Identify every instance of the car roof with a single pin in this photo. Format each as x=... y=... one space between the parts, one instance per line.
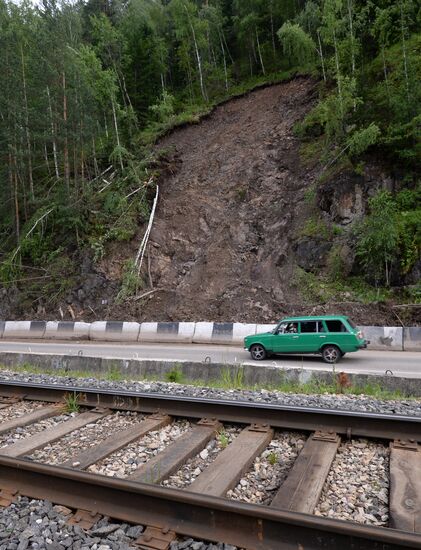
x=315 y=318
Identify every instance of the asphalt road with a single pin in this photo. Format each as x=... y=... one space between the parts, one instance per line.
x=406 y=364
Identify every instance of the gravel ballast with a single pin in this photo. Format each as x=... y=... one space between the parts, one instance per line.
x=90 y=435
x=356 y=488
x=357 y=403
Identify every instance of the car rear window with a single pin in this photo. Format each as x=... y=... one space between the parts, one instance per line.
x=336 y=326
x=353 y=325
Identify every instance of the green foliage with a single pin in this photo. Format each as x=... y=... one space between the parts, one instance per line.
x=390 y=233
x=320 y=289
x=71 y=403
x=315 y=227
x=131 y=282
x=335 y=263
x=298 y=46
x=175 y=375
x=273 y=458
x=223 y=439
x=164 y=109
x=362 y=139
x=114 y=375
x=232 y=379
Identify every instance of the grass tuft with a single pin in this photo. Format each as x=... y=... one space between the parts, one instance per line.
x=71 y=404
x=175 y=375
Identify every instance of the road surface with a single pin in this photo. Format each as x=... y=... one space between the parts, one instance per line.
x=398 y=363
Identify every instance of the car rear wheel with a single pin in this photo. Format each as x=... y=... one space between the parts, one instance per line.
x=258 y=352
x=331 y=354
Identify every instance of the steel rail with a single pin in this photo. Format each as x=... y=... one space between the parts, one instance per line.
x=210 y=518
x=348 y=423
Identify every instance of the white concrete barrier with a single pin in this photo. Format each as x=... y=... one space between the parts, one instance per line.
x=67 y=330
x=412 y=339
x=203 y=333
x=384 y=338
x=24 y=329
x=240 y=331
x=214 y=333
x=114 y=331
x=166 y=332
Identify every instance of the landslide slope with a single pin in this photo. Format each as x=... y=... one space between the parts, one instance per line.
x=232 y=201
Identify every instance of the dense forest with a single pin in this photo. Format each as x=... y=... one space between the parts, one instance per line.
x=88 y=87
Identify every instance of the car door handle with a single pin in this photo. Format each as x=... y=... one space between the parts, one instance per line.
x=294 y=337
x=322 y=336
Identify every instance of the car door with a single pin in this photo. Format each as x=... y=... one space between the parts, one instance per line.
x=340 y=335
x=310 y=337
x=285 y=339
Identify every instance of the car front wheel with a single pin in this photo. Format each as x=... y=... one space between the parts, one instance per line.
x=258 y=352
x=331 y=354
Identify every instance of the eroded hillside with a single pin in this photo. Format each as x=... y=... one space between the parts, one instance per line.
x=230 y=236
x=222 y=237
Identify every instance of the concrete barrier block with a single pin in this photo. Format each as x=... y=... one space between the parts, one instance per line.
x=114 y=331
x=148 y=332
x=203 y=333
x=24 y=329
x=222 y=333
x=97 y=330
x=383 y=338
x=185 y=332
x=240 y=331
x=67 y=330
x=166 y=332
x=412 y=338
x=2 y=324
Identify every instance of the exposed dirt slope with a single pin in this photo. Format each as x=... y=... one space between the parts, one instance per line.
x=231 y=209
x=227 y=236
x=221 y=241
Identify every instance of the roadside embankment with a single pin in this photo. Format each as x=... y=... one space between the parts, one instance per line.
x=244 y=375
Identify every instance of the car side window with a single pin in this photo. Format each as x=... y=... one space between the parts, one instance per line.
x=291 y=328
x=336 y=326
x=309 y=326
x=321 y=327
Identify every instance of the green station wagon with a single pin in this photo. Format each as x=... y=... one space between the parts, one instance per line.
x=330 y=335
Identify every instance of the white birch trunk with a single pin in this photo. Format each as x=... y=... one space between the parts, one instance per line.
x=224 y=60
x=320 y=52
x=260 y=53
x=53 y=135
x=117 y=134
x=199 y=64
x=28 y=136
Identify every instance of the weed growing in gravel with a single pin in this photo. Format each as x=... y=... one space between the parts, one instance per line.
x=71 y=404
x=231 y=379
x=174 y=375
x=222 y=439
x=114 y=375
x=272 y=458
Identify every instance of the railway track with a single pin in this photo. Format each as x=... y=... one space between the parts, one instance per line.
x=174 y=465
